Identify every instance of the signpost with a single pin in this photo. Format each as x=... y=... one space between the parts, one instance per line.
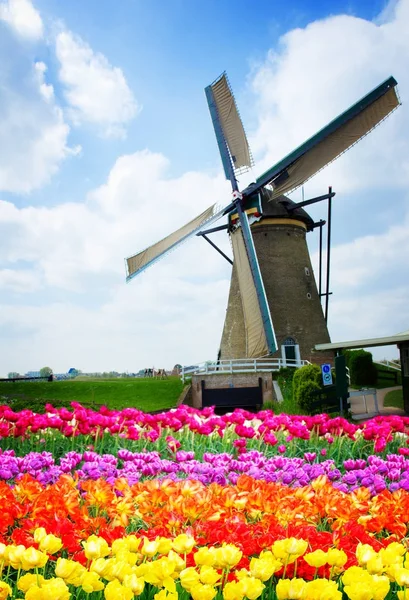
x=326 y=374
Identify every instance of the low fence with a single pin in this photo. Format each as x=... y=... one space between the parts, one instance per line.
x=13 y=379
x=244 y=365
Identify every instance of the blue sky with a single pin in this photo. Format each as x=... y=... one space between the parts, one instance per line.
x=106 y=145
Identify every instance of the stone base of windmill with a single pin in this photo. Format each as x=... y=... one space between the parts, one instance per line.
x=232 y=390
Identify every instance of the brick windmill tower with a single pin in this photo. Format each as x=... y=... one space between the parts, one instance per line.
x=292 y=294
x=274 y=306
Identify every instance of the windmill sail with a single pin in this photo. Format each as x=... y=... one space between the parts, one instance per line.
x=231 y=137
x=236 y=157
x=259 y=333
x=332 y=141
x=138 y=262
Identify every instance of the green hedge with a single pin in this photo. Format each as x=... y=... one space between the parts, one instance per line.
x=361 y=368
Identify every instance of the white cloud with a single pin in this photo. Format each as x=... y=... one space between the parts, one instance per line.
x=71 y=242
x=97 y=92
x=19 y=280
x=23 y=18
x=33 y=132
x=80 y=248
x=319 y=71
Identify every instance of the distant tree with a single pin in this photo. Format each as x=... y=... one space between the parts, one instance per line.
x=13 y=375
x=46 y=372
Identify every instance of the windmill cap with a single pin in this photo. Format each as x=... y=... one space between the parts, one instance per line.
x=283 y=208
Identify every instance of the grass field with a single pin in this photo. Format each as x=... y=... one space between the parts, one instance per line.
x=146 y=394
x=394 y=398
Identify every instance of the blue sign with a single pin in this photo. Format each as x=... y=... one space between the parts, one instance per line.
x=326 y=374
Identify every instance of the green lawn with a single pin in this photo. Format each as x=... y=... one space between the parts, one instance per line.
x=146 y=394
x=394 y=398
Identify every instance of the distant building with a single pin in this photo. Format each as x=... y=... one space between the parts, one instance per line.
x=32 y=374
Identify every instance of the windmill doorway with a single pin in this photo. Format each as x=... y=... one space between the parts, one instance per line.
x=290 y=352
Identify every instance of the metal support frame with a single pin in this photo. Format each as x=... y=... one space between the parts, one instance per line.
x=320 y=224
x=312 y=201
x=213 y=229
x=328 y=252
x=216 y=248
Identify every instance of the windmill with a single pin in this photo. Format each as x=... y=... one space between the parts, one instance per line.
x=274 y=304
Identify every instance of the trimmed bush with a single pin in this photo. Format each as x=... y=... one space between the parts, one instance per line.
x=361 y=368
x=309 y=373
x=307 y=394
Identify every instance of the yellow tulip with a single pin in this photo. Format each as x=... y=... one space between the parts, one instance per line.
x=164 y=595
x=203 y=592
x=5 y=590
x=180 y=563
x=12 y=556
x=392 y=554
x=363 y=591
x=209 y=575
x=126 y=556
x=189 y=577
x=116 y=591
x=150 y=548
x=289 y=549
x=119 y=545
x=29 y=580
x=51 y=589
x=264 y=568
x=160 y=573
x=39 y=534
x=322 y=589
x=95 y=547
x=205 y=556
x=364 y=553
x=117 y=569
x=136 y=584
x=290 y=588
x=32 y=558
x=133 y=541
x=50 y=543
x=90 y=582
x=232 y=591
x=69 y=570
x=183 y=544
x=228 y=556
x=401 y=576
x=99 y=565
x=241 y=573
x=353 y=575
x=165 y=545
x=375 y=565
x=316 y=559
x=381 y=587
x=251 y=587
x=336 y=558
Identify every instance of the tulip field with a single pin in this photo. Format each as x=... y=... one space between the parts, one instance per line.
x=187 y=504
